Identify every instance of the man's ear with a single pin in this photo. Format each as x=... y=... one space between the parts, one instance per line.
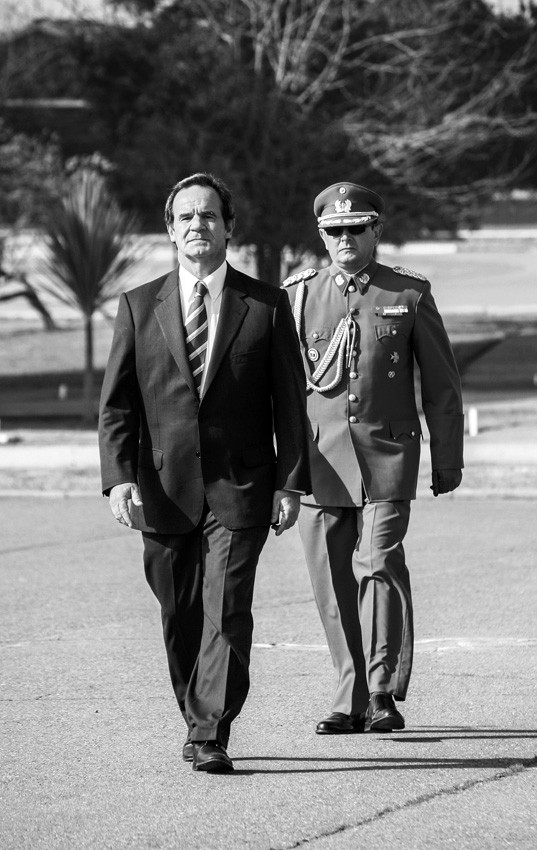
x=230 y=227
x=322 y=234
x=378 y=228
x=171 y=234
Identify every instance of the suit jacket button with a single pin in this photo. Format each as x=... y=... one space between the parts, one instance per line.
x=353 y=419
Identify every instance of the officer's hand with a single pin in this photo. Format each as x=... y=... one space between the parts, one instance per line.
x=445 y=480
x=119 y=501
x=285 y=508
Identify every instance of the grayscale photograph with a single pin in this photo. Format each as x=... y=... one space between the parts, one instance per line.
x=268 y=424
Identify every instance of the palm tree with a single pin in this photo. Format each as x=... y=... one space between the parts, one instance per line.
x=90 y=245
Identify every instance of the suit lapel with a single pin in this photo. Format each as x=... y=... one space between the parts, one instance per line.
x=170 y=318
x=232 y=313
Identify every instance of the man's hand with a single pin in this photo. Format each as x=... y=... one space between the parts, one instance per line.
x=285 y=508
x=119 y=501
x=445 y=480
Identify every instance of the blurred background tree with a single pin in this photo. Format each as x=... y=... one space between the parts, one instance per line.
x=31 y=179
x=90 y=247
x=433 y=102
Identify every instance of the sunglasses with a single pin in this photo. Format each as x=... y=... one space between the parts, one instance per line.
x=353 y=229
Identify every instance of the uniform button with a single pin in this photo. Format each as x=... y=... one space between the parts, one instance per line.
x=353 y=419
x=355 y=311
x=352 y=289
x=353 y=375
x=315 y=335
x=354 y=352
x=394 y=332
x=352 y=397
x=198 y=454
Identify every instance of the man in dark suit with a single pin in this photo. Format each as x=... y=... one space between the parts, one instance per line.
x=204 y=376
x=362 y=325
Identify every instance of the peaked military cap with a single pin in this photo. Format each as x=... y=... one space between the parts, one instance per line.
x=347 y=203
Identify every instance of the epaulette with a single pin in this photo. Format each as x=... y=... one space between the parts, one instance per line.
x=408 y=273
x=296 y=278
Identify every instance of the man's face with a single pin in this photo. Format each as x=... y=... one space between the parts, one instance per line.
x=351 y=251
x=198 y=229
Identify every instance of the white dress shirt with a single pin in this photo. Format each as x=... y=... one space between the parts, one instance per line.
x=213 y=299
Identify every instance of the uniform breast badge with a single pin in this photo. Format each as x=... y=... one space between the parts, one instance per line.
x=391 y=374
x=394 y=357
x=313 y=354
x=397 y=310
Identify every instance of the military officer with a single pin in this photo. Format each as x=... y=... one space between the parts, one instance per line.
x=361 y=325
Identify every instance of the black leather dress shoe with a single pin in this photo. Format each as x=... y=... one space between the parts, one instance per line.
x=382 y=715
x=341 y=724
x=211 y=757
x=188 y=750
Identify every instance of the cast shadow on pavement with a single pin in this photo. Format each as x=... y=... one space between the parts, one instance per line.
x=459 y=733
x=367 y=764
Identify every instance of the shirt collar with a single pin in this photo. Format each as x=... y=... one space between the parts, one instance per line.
x=361 y=278
x=214 y=281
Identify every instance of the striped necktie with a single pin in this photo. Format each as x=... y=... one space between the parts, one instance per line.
x=196 y=333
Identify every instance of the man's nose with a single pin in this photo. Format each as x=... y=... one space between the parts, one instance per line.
x=197 y=222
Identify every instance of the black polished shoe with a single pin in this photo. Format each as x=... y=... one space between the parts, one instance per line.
x=188 y=750
x=211 y=757
x=341 y=724
x=382 y=715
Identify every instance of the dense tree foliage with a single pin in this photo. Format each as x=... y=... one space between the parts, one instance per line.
x=31 y=174
x=433 y=102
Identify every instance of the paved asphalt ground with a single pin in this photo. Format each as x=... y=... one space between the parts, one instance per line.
x=90 y=736
x=90 y=751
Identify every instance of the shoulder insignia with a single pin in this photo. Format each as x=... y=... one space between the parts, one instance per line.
x=296 y=278
x=408 y=273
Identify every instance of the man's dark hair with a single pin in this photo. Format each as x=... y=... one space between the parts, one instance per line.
x=202 y=179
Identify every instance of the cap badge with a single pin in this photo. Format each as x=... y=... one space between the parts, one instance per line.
x=313 y=354
x=343 y=206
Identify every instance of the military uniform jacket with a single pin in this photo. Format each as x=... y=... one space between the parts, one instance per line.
x=365 y=432
x=243 y=440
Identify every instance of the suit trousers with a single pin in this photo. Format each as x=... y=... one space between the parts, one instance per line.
x=204 y=582
x=361 y=585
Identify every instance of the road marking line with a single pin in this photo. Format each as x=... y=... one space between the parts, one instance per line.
x=445 y=644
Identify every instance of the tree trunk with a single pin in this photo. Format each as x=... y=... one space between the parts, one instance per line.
x=31 y=295
x=88 y=417
x=37 y=304
x=268 y=263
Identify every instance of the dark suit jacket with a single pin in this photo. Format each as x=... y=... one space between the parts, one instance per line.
x=367 y=429
x=154 y=430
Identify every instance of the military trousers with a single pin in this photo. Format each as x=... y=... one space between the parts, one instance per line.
x=204 y=582
x=361 y=584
